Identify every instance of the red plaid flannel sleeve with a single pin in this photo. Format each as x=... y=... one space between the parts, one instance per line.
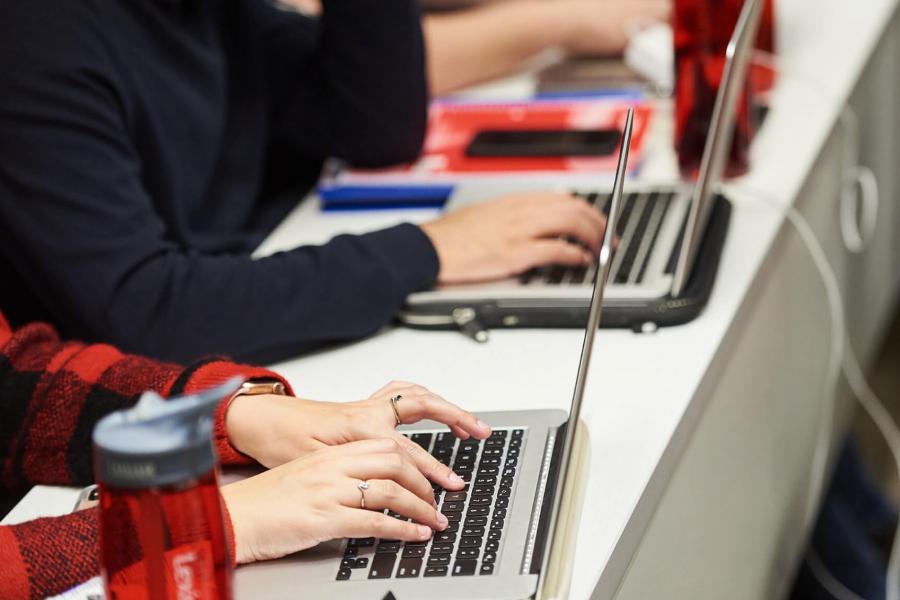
x=52 y=393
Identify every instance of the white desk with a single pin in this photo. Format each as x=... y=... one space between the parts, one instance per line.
x=701 y=435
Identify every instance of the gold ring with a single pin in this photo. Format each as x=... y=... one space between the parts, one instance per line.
x=394 y=401
x=362 y=486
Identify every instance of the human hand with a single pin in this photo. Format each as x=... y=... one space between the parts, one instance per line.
x=603 y=27
x=277 y=429
x=508 y=236
x=316 y=498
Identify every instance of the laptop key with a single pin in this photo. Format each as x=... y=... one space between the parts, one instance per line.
x=465 y=567
x=504 y=492
x=502 y=502
x=413 y=552
x=499 y=513
x=457 y=496
x=509 y=472
x=453 y=516
x=382 y=566
x=498 y=451
x=473 y=530
x=485 y=480
x=452 y=527
x=487 y=569
x=468 y=553
x=409 y=567
x=361 y=542
x=498 y=433
x=444 y=538
x=351 y=552
x=441 y=549
x=485 y=470
x=518 y=433
x=489 y=558
x=361 y=563
x=422 y=439
x=439 y=560
x=491 y=546
x=344 y=574
x=495 y=524
x=470 y=542
x=444 y=439
x=480 y=501
x=388 y=548
x=495 y=535
x=435 y=571
x=474 y=522
x=451 y=507
x=482 y=490
x=348 y=563
x=478 y=511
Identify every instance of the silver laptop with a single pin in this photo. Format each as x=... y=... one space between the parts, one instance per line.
x=501 y=526
x=671 y=240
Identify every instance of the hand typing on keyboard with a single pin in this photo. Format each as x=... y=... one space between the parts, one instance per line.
x=476 y=515
x=277 y=429
x=507 y=236
x=317 y=498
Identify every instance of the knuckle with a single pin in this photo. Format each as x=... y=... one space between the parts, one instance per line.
x=394 y=462
x=385 y=445
x=375 y=523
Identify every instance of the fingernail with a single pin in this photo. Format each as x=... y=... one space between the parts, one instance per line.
x=424 y=532
x=456 y=478
x=442 y=520
x=482 y=424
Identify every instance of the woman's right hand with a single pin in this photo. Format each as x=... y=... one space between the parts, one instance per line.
x=315 y=498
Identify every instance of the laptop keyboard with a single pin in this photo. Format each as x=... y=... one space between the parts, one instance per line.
x=638 y=229
x=477 y=515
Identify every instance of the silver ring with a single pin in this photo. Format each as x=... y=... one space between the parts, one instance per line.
x=394 y=401
x=362 y=486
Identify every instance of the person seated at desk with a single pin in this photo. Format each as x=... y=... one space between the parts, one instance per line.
x=147 y=148
x=52 y=393
x=492 y=38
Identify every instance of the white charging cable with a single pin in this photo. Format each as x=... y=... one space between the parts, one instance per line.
x=853 y=372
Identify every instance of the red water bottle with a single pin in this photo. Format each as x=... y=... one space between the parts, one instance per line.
x=702 y=30
x=162 y=527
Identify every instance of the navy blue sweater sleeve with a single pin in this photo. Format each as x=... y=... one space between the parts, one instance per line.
x=79 y=225
x=368 y=76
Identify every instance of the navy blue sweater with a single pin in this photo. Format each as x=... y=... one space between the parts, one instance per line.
x=148 y=146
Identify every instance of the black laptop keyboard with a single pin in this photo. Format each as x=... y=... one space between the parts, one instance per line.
x=477 y=515
x=638 y=229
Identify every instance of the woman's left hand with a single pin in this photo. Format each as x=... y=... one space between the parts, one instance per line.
x=274 y=430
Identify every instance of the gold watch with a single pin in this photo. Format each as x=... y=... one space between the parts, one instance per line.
x=258 y=387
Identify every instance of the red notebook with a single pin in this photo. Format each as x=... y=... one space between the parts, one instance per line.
x=452 y=127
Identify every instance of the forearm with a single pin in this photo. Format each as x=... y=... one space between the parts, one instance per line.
x=46 y=557
x=181 y=306
x=55 y=392
x=472 y=46
x=363 y=96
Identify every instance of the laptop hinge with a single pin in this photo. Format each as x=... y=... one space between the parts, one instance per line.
x=543 y=501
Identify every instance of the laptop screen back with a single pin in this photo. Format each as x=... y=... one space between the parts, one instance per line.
x=603 y=265
x=718 y=141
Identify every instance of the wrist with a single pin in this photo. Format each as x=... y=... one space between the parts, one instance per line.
x=235 y=521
